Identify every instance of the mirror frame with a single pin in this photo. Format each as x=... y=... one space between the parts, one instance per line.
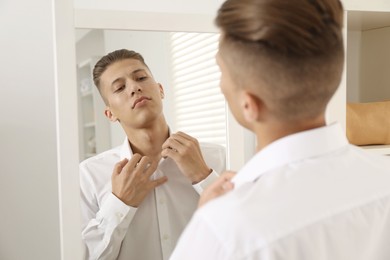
x=143 y=21
x=67 y=126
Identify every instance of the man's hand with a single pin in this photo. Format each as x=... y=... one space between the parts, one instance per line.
x=131 y=179
x=185 y=151
x=221 y=186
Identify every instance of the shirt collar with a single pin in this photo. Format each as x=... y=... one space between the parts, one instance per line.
x=292 y=148
x=126 y=151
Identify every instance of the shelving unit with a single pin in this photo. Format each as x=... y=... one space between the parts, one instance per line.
x=94 y=132
x=368 y=57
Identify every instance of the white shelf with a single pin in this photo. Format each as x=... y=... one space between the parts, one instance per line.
x=378 y=149
x=93 y=125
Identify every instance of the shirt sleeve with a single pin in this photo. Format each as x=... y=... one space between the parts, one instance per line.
x=215 y=157
x=104 y=227
x=202 y=185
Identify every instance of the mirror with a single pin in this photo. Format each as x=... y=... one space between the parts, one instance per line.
x=184 y=63
x=237 y=141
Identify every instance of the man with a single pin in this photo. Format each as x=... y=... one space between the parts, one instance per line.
x=307 y=193
x=137 y=198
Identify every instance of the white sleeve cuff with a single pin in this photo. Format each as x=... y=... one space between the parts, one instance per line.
x=114 y=211
x=202 y=185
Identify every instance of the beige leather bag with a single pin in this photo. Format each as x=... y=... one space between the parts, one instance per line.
x=368 y=123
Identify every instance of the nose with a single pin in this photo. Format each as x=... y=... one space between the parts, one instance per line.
x=134 y=91
x=134 y=88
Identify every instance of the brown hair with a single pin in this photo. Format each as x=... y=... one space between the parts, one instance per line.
x=111 y=58
x=295 y=47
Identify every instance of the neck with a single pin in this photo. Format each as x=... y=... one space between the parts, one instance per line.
x=148 y=141
x=270 y=132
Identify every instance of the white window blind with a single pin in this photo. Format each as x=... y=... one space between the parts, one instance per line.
x=199 y=103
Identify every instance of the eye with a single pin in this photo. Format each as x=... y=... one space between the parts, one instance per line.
x=142 y=78
x=119 y=88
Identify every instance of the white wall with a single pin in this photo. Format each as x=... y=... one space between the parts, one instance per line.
x=353 y=69
x=167 y=6
x=90 y=45
x=29 y=219
x=375 y=65
x=368 y=5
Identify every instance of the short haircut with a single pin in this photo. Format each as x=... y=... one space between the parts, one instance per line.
x=111 y=58
x=289 y=51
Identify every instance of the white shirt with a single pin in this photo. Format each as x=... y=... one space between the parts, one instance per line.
x=113 y=230
x=310 y=195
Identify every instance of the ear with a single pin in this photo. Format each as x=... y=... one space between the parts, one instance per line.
x=162 y=94
x=110 y=115
x=252 y=107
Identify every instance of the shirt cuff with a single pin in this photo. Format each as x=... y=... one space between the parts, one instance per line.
x=115 y=211
x=202 y=185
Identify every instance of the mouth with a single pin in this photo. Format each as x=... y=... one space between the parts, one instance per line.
x=140 y=101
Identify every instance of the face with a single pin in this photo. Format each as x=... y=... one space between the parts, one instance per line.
x=132 y=95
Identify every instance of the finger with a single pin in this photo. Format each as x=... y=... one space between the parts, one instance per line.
x=151 y=168
x=132 y=162
x=224 y=181
x=186 y=136
x=143 y=163
x=182 y=145
x=169 y=152
x=215 y=190
x=227 y=186
x=224 y=177
x=171 y=143
x=187 y=142
x=228 y=175
x=119 y=166
x=182 y=139
x=221 y=187
x=143 y=166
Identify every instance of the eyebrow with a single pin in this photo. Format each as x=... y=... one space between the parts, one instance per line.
x=133 y=72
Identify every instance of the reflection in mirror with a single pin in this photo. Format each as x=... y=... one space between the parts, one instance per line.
x=184 y=63
x=163 y=202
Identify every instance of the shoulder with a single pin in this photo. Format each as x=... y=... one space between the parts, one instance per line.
x=228 y=221
x=106 y=158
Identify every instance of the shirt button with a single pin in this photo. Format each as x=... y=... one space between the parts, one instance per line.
x=165 y=237
x=162 y=201
x=119 y=215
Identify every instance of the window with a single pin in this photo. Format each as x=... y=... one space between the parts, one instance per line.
x=200 y=108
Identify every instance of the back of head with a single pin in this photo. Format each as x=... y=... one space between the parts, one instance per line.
x=288 y=52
